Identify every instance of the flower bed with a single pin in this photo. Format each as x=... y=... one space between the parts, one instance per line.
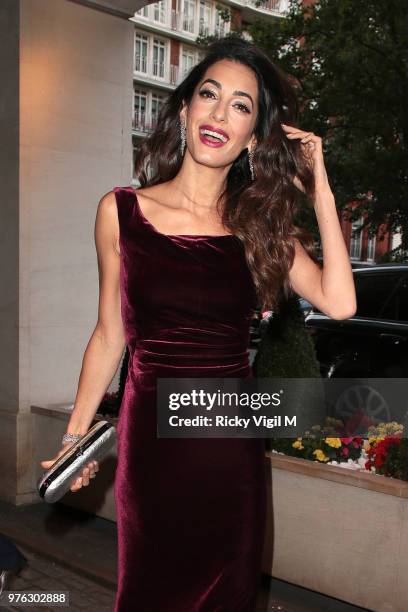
x=384 y=451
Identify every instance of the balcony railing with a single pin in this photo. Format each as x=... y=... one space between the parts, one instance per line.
x=141 y=63
x=158 y=69
x=176 y=74
x=184 y=23
x=144 y=122
x=274 y=6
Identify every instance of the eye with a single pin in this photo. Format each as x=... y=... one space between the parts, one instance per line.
x=243 y=107
x=246 y=109
x=205 y=91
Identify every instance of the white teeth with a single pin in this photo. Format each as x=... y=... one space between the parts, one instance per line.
x=215 y=134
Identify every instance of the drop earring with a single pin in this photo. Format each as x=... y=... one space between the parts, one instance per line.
x=182 y=136
x=251 y=165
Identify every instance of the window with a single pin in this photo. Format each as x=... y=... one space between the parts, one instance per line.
x=371 y=249
x=375 y=295
x=140 y=106
x=355 y=239
x=205 y=18
x=159 y=11
x=150 y=56
x=402 y=299
x=141 y=52
x=188 y=15
x=188 y=60
x=159 y=53
x=157 y=102
x=221 y=26
x=147 y=106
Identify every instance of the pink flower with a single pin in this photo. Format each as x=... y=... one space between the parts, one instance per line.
x=346 y=440
x=345 y=451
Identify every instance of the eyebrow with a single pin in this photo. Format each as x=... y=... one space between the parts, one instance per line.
x=234 y=93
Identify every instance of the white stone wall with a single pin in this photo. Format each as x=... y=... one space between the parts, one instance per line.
x=76 y=99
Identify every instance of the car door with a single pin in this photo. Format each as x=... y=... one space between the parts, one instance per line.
x=393 y=335
x=374 y=331
x=355 y=347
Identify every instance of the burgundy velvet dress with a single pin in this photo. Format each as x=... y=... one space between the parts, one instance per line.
x=190 y=512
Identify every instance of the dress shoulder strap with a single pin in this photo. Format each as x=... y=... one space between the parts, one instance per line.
x=125 y=205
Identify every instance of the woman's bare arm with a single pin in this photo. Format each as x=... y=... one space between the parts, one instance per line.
x=332 y=289
x=107 y=342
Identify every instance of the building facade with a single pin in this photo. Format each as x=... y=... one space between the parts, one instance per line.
x=366 y=250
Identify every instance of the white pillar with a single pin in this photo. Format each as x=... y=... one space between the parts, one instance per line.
x=73 y=110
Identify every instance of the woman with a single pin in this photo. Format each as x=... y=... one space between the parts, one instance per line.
x=184 y=261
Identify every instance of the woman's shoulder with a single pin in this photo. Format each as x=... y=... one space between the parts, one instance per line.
x=107 y=202
x=111 y=199
x=155 y=200
x=111 y=208
x=157 y=193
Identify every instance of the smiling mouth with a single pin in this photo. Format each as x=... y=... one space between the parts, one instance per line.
x=212 y=138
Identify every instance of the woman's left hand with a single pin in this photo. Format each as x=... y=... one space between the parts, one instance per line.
x=312 y=149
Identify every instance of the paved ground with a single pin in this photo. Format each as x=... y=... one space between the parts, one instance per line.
x=73 y=551
x=44 y=574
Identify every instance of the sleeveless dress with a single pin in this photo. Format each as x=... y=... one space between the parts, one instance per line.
x=190 y=512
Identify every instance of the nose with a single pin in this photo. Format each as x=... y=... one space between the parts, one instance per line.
x=218 y=113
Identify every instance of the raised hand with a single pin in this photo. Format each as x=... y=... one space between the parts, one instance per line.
x=312 y=148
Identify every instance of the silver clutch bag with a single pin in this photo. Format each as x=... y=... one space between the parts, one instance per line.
x=59 y=478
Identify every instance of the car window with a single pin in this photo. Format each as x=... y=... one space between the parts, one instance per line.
x=389 y=310
x=402 y=299
x=376 y=295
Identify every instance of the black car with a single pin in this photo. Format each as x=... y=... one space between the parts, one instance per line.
x=374 y=342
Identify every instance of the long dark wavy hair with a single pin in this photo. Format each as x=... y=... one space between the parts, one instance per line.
x=260 y=212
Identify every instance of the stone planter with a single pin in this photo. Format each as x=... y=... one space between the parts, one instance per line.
x=340 y=532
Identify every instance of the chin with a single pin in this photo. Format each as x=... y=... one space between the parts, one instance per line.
x=212 y=158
